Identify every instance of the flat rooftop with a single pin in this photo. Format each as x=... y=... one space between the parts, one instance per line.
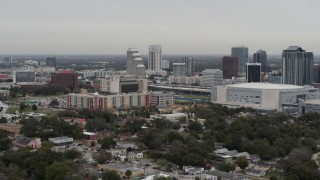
x=315 y=101
x=265 y=86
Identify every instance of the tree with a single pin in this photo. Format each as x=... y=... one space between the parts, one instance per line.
x=110 y=175
x=72 y=154
x=57 y=171
x=22 y=106
x=273 y=178
x=96 y=124
x=128 y=173
x=227 y=167
x=34 y=107
x=162 y=162
x=14 y=172
x=102 y=157
x=92 y=143
x=195 y=126
x=5 y=144
x=54 y=103
x=107 y=143
x=13 y=92
x=176 y=126
x=3 y=120
x=242 y=162
x=162 y=123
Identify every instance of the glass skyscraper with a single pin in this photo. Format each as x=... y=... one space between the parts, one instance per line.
x=261 y=57
x=242 y=54
x=189 y=65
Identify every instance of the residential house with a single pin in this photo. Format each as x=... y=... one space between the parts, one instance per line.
x=121 y=169
x=117 y=151
x=244 y=154
x=126 y=145
x=264 y=166
x=220 y=175
x=134 y=155
x=22 y=141
x=255 y=172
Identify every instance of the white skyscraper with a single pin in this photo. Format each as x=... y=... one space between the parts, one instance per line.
x=211 y=77
x=155 y=58
x=135 y=63
x=165 y=64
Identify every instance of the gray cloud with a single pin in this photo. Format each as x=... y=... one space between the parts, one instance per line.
x=180 y=26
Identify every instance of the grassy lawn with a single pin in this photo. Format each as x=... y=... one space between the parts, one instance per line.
x=13 y=110
x=276 y=174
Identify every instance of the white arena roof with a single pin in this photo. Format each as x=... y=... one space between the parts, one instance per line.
x=265 y=86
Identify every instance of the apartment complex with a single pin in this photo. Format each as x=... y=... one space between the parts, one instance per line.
x=135 y=64
x=97 y=101
x=297 y=66
x=155 y=58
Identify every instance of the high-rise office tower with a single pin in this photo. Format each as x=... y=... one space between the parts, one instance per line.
x=135 y=63
x=316 y=73
x=7 y=59
x=242 y=54
x=261 y=57
x=179 y=69
x=51 y=61
x=253 y=72
x=155 y=58
x=165 y=64
x=229 y=67
x=189 y=65
x=297 y=66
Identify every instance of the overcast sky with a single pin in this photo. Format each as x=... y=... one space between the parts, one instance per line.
x=180 y=26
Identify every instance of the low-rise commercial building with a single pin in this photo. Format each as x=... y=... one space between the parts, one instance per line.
x=188 y=80
x=309 y=106
x=65 y=79
x=211 y=77
x=61 y=141
x=117 y=84
x=24 y=76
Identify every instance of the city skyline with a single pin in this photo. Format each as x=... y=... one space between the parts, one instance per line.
x=180 y=27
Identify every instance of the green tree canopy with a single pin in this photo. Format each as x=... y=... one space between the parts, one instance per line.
x=242 y=162
x=107 y=143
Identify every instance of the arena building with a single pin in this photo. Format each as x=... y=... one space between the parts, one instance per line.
x=264 y=96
